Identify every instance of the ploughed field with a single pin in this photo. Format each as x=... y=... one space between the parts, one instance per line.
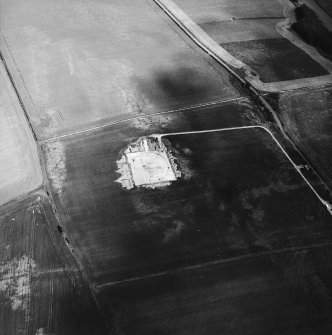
x=283 y=293
x=307 y=116
x=228 y=240
x=42 y=290
x=237 y=195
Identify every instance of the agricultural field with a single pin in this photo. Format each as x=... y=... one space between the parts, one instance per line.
x=165 y=169
x=19 y=169
x=41 y=288
x=237 y=195
x=84 y=64
x=259 y=34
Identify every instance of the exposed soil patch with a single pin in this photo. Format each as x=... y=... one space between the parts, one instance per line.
x=147 y=162
x=15 y=281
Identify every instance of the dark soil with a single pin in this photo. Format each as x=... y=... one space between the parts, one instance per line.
x=312 y=30
x=275 y=59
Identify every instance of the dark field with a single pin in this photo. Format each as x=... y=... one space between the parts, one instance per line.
x=41 y=288
x=248 y=31
x=275 y=59
x=238 y=196
x=306 y=115
x=326 y=5
x=312 y=30
x=283 y=293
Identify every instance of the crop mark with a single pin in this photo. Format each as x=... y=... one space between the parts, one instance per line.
x=15 y=281
x=214 y=263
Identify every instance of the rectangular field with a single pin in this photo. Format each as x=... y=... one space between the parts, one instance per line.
x=278 y=294
x=238 y=195
x=83 y=63
x=41 y=288
x=19 y=162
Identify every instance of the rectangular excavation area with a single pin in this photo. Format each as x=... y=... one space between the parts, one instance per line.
x=148 y=163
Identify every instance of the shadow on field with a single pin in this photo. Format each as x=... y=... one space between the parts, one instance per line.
x=178 y=86
x=181 y=83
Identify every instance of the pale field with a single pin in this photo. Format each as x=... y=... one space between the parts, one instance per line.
x=85 y=63
x=19 y=168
